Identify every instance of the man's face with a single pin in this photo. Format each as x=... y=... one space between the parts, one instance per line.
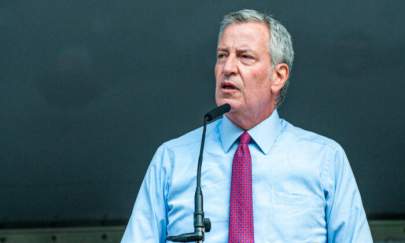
x=243 y=71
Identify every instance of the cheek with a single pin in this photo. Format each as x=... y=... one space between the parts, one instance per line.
x=257 y=79
x=217 y=69
x=263 y=74
x=259 y=85
x=257 y=76
x=218 y=72
x=266 y=76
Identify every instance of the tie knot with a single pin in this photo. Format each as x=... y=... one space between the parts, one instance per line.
x=244 y=138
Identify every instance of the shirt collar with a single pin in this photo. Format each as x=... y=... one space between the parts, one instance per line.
x=263 y=134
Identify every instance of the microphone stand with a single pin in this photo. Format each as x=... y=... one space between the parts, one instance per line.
x=201 y=224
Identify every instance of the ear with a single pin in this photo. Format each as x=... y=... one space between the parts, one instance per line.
x=280 y=75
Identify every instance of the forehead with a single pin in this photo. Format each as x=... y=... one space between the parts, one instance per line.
x=240 y=35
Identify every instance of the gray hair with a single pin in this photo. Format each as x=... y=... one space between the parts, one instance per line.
x=280 y=44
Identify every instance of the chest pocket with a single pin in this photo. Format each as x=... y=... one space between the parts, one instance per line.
x=297 y=216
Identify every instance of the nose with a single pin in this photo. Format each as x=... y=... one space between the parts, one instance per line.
x=230 y=66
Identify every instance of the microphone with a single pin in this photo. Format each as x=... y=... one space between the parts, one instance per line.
x=201 y=224
x=219 y=111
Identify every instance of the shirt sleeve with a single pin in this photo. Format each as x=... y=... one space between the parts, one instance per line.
x=345 y=216
x=148 y=219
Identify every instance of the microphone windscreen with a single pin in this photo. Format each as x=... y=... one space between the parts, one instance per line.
x=215 y=113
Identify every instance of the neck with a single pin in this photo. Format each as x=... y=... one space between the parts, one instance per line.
x=248 y=121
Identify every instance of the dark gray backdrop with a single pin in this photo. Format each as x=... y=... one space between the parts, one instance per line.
x=89 y=89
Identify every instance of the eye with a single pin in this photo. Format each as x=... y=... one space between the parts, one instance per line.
x=247 y=59
x=221 y=55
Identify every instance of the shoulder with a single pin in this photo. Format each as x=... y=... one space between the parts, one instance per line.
x=301 y=137
x=191 y=139
x=327 y=155
x=315 y=148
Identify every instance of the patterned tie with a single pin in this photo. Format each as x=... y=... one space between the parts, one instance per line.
x=241 y=206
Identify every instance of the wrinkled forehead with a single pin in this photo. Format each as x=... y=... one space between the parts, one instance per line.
x=244 y=35
x=250 y=22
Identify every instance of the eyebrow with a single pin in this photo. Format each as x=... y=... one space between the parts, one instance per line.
x=238 y=50
x=222 y=49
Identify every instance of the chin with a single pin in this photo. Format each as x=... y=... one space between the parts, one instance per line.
x=233 y=103
x=221 y=101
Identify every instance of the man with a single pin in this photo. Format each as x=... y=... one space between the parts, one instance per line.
x=264 y=180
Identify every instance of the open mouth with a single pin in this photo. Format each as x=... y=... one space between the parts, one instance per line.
x=228 y=86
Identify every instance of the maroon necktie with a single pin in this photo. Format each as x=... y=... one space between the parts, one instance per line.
x=241 y=206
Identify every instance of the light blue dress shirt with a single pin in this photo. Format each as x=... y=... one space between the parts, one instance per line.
x=303 y=187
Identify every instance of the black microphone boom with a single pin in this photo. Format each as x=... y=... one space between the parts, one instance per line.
x=201 y=224
x=215 y=113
